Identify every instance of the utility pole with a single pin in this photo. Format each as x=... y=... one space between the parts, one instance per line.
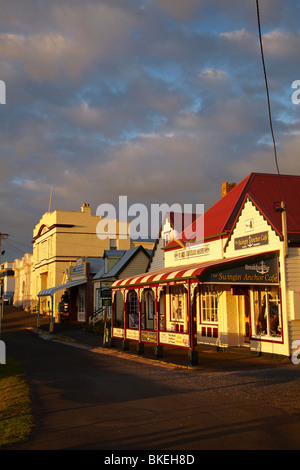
x=2 y=236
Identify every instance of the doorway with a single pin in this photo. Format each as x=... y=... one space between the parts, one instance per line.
x=243 y=313
x=246 y=319
x=81 y=305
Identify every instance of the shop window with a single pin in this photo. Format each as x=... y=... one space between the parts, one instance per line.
x=147 y=310
x=133 y=310
x=267 y=318
x=119 y=310
x=162 y=311
x=177 y=304
x=149 y=305
x=81 y=300
x=209 y=303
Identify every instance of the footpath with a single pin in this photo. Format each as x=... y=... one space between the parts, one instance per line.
x=74 y=335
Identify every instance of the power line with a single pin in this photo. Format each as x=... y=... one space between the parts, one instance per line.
x=282 y=207
x=11 y=245
x=268 y=96
x=20 y=243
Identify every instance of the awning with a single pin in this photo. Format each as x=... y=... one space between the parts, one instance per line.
x=175 y=273
x=67 y=285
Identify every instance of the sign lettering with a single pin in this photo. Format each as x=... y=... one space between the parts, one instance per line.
x=264 y=271
x=251 y=241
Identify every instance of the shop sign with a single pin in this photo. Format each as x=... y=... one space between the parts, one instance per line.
x=118 y=333
x=175 y=339
x=192 y=252
x=264 y=271
x=148 y=337
x=251 y=241
x=78 y=269
x=132 y=334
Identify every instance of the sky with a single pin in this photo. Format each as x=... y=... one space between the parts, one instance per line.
x=158 y=100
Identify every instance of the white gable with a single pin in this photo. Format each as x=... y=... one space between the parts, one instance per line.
x=252 y=233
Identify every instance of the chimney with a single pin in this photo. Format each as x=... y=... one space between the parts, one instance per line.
x=86 y=208
x=227 y=187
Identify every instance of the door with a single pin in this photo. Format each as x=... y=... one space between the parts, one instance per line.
x=81 y=304
x=243 y=313
x=246 y=319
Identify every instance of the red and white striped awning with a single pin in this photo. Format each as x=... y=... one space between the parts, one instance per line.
x=175 y=273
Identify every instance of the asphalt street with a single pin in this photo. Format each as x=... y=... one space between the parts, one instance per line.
x=86 y=398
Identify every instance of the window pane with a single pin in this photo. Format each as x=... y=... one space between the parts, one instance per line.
x=266 y=311
x=209 y=304
x=133 y=310
x=275 y=318
x=177 y=303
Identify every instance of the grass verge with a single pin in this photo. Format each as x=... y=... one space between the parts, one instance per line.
x=16 y=419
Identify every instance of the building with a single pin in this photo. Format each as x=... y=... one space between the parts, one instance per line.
x=60 y=238
x=23 y=281
x=7 y=281
x=117 y=265
x=239 y=287
x=80 y=295
x=172 y=224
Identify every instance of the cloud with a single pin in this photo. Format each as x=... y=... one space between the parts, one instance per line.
x=214 y=75
x=281 y=44
x=179 y=9
x=158 y=100
x=80 y=35
x=43 y=56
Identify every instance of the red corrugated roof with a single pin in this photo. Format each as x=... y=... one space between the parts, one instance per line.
x=264 y=190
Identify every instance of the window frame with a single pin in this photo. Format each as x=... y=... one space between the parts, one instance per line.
x=261 y=312
x=133 y=310
x=178 y=294
x=211 y=296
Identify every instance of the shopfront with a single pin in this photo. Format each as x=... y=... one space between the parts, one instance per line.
x=240 y=305
x=225 y=303
x=239 y=288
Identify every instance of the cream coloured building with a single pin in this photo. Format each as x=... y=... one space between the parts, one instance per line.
x=23 y=281
x=238 y=288
x=61 y=237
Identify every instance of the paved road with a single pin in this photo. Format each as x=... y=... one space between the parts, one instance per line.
x=85 y=400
